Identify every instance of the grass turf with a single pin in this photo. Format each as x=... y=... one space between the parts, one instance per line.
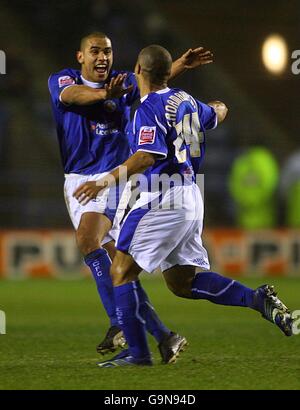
x=53 y=327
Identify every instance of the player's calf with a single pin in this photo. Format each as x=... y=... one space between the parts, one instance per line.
x=179 y=280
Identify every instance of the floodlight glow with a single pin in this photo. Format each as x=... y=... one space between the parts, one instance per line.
x=275 y=54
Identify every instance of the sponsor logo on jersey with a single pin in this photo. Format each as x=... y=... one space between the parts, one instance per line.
x=65 y=80
x=147 y=135
x=104 y=129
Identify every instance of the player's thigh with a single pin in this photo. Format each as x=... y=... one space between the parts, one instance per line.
x=75 y=209
x=189 y=251
x=150 y=236
x=179 y=279
x=124 y=269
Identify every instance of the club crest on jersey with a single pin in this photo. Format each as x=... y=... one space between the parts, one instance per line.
x=147 y=135
x=65 y=80
x=110 y=106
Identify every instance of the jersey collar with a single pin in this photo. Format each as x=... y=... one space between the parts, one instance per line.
x=163 y=91
x=91 y=83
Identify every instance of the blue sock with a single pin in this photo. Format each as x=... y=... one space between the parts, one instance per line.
x=130 y=319
x=223 y=291
x=99 y=263
x=153 y=324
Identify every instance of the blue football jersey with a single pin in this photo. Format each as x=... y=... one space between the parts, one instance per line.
x=92 y=138
x=172 y=124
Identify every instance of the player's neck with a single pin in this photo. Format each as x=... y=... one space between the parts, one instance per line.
x=148 y=88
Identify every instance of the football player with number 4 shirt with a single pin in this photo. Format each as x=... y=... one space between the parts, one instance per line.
x=164 y=227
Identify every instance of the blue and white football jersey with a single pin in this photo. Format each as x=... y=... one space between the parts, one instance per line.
x=92 y=138
x=172 y=124
x=164 y=226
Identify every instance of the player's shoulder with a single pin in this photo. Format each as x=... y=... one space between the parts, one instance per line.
x=114 y=73
x=67 y=76
x=130 y=76
x=181 y=94
x=156 y=101
x=152 y=108
x=67 y=71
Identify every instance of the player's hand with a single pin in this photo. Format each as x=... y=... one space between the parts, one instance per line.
x=88 y=191
x=116 y=88
x=196 y=57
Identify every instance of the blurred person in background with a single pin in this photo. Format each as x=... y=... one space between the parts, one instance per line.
x=290 y=190
x=253 y=182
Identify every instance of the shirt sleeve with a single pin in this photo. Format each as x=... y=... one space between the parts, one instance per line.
x=208 y=116
x=150 y=134
x=57 y=83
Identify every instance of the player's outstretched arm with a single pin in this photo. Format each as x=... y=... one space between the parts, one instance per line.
x=136 y=164
x=220 y=109
x=84 y=95
x=191 y=59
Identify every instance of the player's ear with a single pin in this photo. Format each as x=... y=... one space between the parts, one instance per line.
x=79 y=56
x=138 y=68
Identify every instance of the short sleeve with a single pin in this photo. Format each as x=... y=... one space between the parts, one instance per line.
x=57 y=83
x=150 y=134
x=208 y=116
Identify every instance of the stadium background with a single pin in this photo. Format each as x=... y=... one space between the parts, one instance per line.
x=36 y=240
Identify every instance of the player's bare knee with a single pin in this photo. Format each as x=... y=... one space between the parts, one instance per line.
x=86 y=243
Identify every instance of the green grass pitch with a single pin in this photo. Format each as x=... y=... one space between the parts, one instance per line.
x=53 y=327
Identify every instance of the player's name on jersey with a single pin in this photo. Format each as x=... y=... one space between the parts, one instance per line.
x=173 y=103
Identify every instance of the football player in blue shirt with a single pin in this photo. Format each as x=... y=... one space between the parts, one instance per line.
x=91 y=107
x=164 y=227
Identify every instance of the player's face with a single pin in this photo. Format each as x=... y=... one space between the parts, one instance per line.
x=96 y=59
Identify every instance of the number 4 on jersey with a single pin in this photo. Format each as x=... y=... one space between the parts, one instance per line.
x=188 y=131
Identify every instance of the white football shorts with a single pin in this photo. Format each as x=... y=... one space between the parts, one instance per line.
x=162 y=236
x=112 y=202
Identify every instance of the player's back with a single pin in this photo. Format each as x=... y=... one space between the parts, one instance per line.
x=171 y=124
x=164 y=226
